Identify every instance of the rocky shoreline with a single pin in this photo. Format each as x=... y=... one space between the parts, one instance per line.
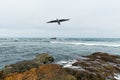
x=97 y=66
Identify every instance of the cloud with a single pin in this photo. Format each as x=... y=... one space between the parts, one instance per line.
x=87 y=17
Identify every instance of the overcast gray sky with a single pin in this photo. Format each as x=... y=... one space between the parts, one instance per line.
x=88 y=18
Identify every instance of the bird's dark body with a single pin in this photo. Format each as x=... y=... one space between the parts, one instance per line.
x=58 y=21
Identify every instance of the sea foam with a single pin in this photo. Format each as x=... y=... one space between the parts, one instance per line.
x=117 y=76
x=68 y=64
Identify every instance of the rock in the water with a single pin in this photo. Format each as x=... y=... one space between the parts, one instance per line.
x=43 y=58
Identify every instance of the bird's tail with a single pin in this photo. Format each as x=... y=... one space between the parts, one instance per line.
x=58 y=22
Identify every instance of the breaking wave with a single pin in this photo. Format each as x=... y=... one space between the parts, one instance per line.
x=88 y=44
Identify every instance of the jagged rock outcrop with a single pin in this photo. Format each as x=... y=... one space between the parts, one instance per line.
x=97 y=66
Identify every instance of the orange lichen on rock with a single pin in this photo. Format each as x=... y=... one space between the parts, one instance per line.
x=44 y=72
x=14 y=76
x=54 y=72
x=30 y=75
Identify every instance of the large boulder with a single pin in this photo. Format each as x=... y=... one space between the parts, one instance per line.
x=43 y=58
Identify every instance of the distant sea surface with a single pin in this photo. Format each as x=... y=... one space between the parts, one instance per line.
x=13 y=50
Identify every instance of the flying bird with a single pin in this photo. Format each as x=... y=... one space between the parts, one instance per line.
x=58 y=21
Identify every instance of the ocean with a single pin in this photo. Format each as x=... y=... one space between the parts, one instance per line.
x=13 y=50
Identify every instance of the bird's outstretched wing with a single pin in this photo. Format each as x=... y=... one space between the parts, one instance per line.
x=61 y=20
x=52 y=21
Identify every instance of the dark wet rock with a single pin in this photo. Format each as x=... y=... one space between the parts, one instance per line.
x=103 y=65
x=105 y=57
x=20 y=66
x=53 y=38
x=81 y=63
x=84 y=74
